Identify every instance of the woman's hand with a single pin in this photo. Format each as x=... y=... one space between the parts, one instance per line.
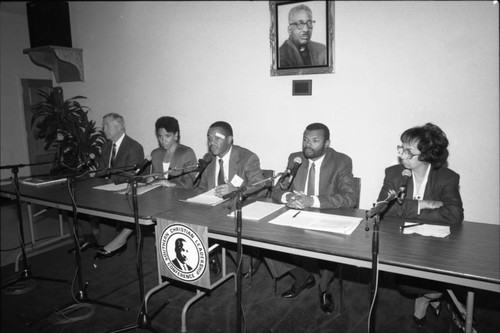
x=430 y=204
x=167 y=183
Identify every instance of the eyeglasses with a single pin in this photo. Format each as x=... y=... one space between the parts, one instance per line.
x=300 y=25
x=405 y=153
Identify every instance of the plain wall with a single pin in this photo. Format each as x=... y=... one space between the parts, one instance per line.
x=397 y=65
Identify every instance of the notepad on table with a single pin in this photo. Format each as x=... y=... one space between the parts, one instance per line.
x=440 y=231
x=206 y=198
x=318 y=221
x=258 y=210
x=43 y=180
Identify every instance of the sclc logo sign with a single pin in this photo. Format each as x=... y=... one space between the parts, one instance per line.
x=183 y=252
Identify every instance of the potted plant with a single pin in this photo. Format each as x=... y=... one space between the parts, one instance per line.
x=64 y=125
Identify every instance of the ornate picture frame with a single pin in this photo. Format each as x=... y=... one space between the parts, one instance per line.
x=285 y=56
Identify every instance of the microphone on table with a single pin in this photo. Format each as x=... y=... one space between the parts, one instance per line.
x=404 y=184
x=202 y=165
x=290 y=173
x=141 y=167
x=89 y=159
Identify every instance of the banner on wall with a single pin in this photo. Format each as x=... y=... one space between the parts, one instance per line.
x=182 y=251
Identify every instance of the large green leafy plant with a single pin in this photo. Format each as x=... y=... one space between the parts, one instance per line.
x=64 y=125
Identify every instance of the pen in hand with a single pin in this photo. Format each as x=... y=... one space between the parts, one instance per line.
x=409 y=226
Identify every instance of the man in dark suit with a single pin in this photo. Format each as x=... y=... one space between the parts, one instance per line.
x=324 y=180
x=299 y=50
x=180 y=253
x=119 y=150
x=234 y=167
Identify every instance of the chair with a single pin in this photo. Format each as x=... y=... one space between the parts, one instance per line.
x=268 y=174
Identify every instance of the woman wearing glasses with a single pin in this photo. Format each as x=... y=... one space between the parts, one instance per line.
x=432 y=195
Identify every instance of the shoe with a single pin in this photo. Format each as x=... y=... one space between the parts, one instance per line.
x=294 y=291
x=326 y=302
x=420 y=322
x=255 y=269
x=101 y=253
x=214 y=264
x=85 y=246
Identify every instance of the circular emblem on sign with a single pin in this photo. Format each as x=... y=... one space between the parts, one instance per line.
x=183 y=252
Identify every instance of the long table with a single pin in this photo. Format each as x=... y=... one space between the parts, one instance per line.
x=468 y=257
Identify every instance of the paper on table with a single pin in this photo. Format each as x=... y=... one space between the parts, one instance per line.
x=141 y=188
x=258 y=210
x=318 y=221
x=427 y=230
x=112 y=187
x=206 y=198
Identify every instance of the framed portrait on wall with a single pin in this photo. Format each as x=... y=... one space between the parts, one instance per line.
x=301 y=37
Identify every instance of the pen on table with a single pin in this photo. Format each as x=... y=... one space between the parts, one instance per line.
x=409 y=226
x=297 y=213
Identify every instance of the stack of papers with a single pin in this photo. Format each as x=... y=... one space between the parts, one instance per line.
x=46 y=180
x=318 y=221
x=440 y=231
x=124 y=188
x=258 y=210
x=207 y=198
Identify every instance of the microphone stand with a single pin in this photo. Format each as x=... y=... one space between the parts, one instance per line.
x=24 y=277
x=143 y=321
x=239 y=196
x=81 y=295
x=374 y=213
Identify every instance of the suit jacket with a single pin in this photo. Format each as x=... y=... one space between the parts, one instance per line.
x=183 y=157
x=336 y=183
x=289 y=55
x=442 y=185
x=243 y=163
x=129 y=153
x=178 y=265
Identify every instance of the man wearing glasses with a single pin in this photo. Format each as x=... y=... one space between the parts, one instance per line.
x=298 y=50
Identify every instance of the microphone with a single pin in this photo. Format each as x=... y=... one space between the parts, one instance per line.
x=291 y=173
x=140 y=167
x=402 y=189
x=202 y=165
x=90 y=158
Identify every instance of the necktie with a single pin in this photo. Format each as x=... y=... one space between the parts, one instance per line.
x=310 y=180
x=113 y=155
x=220 y=178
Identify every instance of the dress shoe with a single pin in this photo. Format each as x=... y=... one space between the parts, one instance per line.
x=101 y=253
x=295 y=291
x=419 y=322
x=85 y=246
x=326 y=302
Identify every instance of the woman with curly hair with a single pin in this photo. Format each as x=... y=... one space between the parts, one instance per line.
x=432 y=195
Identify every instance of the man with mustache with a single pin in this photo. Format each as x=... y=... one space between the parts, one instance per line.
x=324 y=180
x=233 y=167
x=298 y=50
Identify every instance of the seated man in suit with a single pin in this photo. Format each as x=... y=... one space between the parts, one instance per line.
x=119 y=150
x=233 y=167
x=324 y=180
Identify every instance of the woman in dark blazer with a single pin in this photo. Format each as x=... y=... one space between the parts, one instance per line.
x=170 y=155
x=432 y=195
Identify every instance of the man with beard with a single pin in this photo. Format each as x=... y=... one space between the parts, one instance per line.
x=299 y=50
x=324 y=180
x=234 y=167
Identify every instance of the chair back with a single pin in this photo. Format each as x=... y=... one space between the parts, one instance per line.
x=267 y=174
x=357 y=190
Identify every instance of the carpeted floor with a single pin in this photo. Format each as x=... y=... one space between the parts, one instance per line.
x=115 y=281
